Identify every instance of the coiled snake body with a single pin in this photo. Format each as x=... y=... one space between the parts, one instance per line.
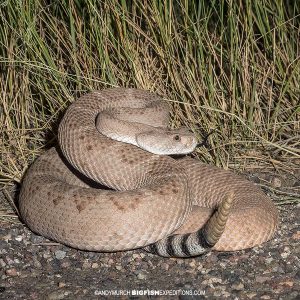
x=175 y=207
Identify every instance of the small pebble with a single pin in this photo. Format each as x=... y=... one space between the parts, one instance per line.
x=61 y=284
x=141 y=276
x=60 y=254
x=36 y=239
x=261 y=279
x=11 y=272
x=269 y=260
x=239 y=287
x=86 y=265
x=95 y=265
x=251 y=295
x=265 y=297
x=19 y=238
x=2 y=263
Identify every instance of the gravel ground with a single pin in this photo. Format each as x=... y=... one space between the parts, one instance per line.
x=32 y=267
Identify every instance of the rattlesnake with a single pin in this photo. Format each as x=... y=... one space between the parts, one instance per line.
x=150 y=200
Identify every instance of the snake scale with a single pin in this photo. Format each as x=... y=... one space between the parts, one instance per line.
x=108 y=187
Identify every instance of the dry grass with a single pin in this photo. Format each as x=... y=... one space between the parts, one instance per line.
x=232 y=67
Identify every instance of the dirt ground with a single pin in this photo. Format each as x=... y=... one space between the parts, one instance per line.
x=32 y=267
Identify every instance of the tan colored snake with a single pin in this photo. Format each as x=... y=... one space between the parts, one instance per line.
x=152 y=200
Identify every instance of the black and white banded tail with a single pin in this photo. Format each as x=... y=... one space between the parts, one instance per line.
x=196 y=243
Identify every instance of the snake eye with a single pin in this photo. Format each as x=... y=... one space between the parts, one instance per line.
x=176 y=137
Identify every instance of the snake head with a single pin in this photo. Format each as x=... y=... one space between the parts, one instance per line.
x=167 y=142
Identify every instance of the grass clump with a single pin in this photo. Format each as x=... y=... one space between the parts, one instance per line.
x=228 y=66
